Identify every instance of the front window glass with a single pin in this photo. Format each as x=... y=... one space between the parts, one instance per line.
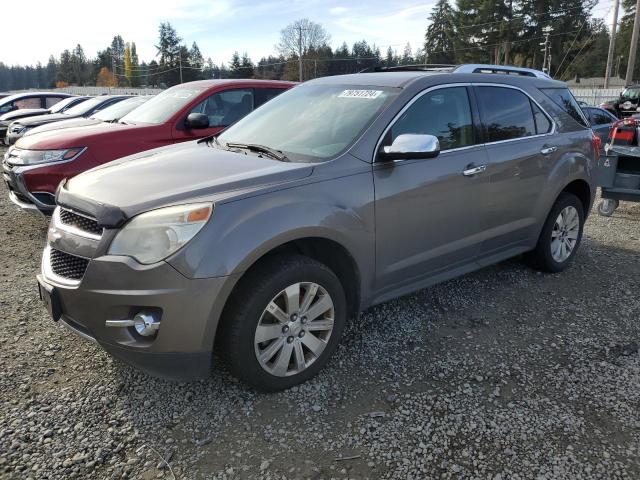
x=62 y=104
x=630 y=93
x=163 y=106
x=85 y=106
x=226 y=108
x=506 y=113
x=444 y=113
x=120 y=109
x=312 y=122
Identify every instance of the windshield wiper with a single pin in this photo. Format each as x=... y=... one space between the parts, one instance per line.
x=254 y=147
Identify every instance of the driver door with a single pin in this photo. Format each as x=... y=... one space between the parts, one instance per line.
x=223 y=109
x=429 y=211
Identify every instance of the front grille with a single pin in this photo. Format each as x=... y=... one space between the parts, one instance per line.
x=89 y=225
x=68 y=266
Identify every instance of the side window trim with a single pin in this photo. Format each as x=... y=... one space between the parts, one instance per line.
x=531 y=99
x=414 y=99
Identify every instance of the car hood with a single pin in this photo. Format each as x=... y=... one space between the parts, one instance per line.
x=71 y=123
x=23 y=112
x=50 y=137
x=42 y=119
x=172 y=175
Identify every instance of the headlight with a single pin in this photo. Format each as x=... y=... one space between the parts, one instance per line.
x=17 y=129
x=35 y=157
x=153 y=236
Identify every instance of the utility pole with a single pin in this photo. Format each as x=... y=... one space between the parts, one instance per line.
x=634 y=44
x=612 y=44
x=180 y=62
x=300 y=52
x=546 y=62
x=113 y=67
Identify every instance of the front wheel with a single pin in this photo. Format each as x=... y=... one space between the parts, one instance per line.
x=561 y=235
x=284 y=323
x=607 y=206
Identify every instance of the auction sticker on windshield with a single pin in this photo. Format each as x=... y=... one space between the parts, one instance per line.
x=367 y=94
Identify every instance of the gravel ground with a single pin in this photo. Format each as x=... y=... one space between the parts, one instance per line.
x=505 y=373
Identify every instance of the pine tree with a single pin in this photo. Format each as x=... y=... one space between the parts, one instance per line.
x=128 y=71
x=439 y=39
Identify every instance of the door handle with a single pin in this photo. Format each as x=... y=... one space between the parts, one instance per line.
x=548 y=150
x=471 y=170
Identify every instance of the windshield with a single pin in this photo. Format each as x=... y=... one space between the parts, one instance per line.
x=631 y=93
x=85 y=106
x=311 y=122
x=119 y=110
x=163 y=106
x=62 y=104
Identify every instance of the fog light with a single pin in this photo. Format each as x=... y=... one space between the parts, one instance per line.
x=145 y=324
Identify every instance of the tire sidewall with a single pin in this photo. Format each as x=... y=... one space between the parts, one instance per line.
x=245 y=356
x=564 y=201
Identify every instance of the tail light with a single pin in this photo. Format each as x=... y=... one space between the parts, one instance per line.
x=597 y=143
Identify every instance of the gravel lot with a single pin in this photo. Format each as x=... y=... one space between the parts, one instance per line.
x=505 y=373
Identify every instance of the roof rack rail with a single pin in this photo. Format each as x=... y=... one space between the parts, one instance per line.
x=422 y=67
x=500 y=69
x=465 y=68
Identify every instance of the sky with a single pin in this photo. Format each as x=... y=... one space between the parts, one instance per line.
x=220 y=27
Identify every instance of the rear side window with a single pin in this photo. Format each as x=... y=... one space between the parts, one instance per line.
x=263 y=95
x=444 y=113
x=51 y=101
x=562 y=98
x=506 y=113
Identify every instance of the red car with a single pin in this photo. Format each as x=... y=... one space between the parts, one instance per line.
x=34 y=167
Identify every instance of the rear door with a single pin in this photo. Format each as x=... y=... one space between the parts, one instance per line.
x=223 y=109
x=428 y=212
x=521 y=148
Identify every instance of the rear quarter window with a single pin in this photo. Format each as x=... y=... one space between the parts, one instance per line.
x=563 y=99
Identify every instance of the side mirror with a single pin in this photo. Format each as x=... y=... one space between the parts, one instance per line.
x=409 y=146
x=197 y=120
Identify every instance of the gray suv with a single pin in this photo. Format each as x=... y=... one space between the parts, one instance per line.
x=340 y=194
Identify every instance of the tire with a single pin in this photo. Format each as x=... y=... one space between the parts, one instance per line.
x=542 y=257
x=247 y=317
x=607 y=206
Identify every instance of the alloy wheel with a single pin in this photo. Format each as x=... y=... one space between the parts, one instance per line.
x=294 y=329
x=564 y=235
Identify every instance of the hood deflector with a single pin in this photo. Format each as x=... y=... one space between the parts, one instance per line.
x=107 y=216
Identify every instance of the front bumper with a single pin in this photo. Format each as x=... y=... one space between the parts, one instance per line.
x=116 y=288
x=19 y=194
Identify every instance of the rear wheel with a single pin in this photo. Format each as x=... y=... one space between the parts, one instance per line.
x=561 y=235
x=284 y=323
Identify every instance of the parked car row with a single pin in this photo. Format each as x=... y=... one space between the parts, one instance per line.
x=46 y=155
x=261 y=238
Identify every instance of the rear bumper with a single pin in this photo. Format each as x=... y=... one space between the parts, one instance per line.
x=116 y=288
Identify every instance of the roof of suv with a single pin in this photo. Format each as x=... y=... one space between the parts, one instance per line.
x=213 y=83
x=401 y=79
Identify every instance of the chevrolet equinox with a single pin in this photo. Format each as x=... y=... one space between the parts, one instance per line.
x=339 y=194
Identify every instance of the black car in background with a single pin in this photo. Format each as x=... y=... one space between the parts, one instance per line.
x=625 y=105
x=111 y=114
x=87 y=108
x=30 y=100
x=62 y=106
